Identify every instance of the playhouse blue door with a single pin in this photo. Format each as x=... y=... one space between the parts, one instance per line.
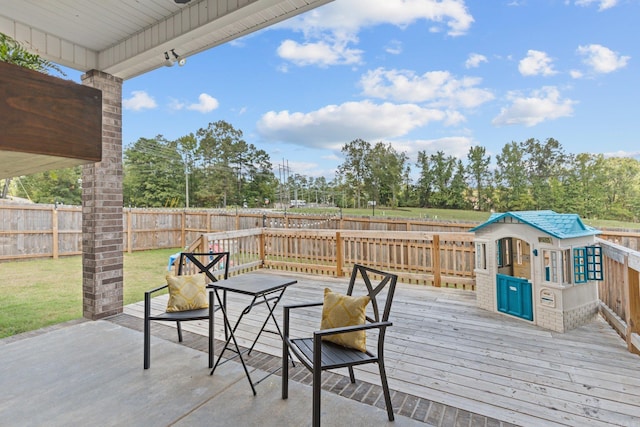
x=514 y=296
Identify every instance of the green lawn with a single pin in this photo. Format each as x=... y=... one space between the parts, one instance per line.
x=445 y=215
x=44 y=292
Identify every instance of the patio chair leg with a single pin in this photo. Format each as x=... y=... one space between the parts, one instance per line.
x=147 y=343
x=179 y=330
x=385 y=390
x=211 y=329
x=317 y=387
x=285 y=371
x=147 y=330
x=352 y=377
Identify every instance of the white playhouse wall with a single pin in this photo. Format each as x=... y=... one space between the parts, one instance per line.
x=556 y=307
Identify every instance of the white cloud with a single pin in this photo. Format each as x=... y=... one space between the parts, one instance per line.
x=542 y=105
x=536 y=63
x=474 y=60
x=140 y=100
x=206 y=104
x=456 y=146
x=576 y=74
x=349 y=16
x=322 y=53
x=621 y=153
x=437 y=88
x=601 y=59
x=175 y=104
x=334 y=125
x=603 y=4
x=331 y=29
x=394 y=47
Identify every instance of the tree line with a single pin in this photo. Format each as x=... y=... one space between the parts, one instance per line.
x=216 y=167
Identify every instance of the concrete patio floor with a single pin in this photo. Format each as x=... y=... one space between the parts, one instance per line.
x=90 y=373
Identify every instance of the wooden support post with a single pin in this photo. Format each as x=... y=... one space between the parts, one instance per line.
x=54 y=235
x=339 y=256
x=632 y=306
x=435 y=260
x=129 y=232
x=261 y=247
x=183 y=233
x=202 y=246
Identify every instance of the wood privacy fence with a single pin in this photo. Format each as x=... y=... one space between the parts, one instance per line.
x=41 y=231
x=44 y=231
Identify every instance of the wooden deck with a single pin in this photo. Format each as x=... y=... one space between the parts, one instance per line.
x=441 y=347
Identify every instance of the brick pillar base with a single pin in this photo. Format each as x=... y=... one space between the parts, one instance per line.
x=102 y=225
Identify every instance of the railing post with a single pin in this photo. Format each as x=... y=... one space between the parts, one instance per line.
x=435 y=260
x=339 y=255
x=203 y=244
x=632 y=298
x=261 y=247
x=54 y=232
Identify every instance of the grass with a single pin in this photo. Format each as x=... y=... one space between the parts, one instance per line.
x=39 y=293
x=384 y=212
x=445 y=215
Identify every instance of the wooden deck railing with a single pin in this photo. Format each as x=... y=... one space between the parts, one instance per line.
x=438 y=259
x=619 y=292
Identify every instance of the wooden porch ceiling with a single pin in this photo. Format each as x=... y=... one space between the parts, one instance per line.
x=128 y=38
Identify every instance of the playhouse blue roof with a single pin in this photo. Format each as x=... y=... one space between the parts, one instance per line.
x=561 y=226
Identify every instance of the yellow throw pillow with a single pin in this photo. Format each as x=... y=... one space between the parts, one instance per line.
x=187 y=292
x=343 y=310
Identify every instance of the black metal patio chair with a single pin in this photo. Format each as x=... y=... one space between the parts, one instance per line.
x=215 y=265
x=318 y=354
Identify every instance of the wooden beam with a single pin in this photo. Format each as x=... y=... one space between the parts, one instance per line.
x=46 y=121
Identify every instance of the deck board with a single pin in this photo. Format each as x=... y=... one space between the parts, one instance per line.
x=443 y=348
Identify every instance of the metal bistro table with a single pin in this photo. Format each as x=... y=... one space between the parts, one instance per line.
x=264 y=289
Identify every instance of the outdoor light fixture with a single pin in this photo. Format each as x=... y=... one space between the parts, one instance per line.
x=169 y=61
x=182 y=1
x=181 y=61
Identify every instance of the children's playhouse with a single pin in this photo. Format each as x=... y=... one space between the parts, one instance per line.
x=539 y=266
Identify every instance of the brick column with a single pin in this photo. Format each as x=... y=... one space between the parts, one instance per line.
x=102 y=226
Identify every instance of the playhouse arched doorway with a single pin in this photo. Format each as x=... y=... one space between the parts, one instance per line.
x=514 y=291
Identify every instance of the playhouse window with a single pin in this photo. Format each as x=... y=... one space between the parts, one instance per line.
x=481 y=256
x=551 y=266
x=566 y=267
x=587 y=264
x=504 y=253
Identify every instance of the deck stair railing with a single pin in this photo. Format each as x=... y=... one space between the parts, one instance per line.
x=619 y=292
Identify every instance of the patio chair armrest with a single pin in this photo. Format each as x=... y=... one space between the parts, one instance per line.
x=285 y=313
x=154 y=290
x=341 y=330
x=287 y=307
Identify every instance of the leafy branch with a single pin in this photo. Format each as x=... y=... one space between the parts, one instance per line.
x=13 y=52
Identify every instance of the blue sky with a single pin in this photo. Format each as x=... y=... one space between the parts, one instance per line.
x=422 y=75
